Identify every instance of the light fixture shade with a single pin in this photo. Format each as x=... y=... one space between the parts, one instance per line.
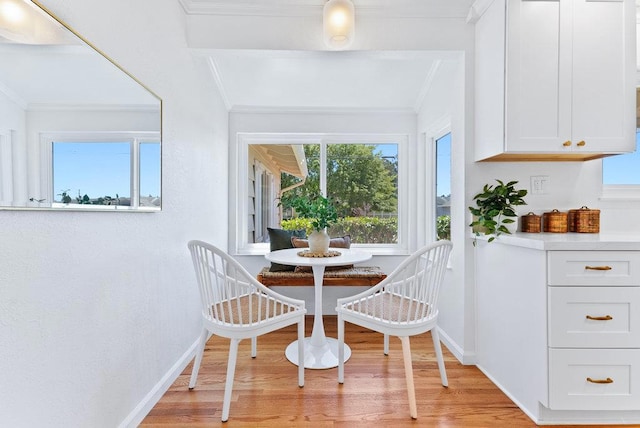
x=22 y=22
x=338 y=23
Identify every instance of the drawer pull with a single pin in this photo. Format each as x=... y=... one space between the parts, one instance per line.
x=581 y=143
x=604 y=318
x=598 y=267
x=607 y=380
x=567 y=143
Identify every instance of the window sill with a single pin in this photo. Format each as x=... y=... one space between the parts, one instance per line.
x=77 y=208
x=376 y=250
x=620 y=193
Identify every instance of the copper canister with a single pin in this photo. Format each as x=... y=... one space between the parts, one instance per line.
x=531 y=223
x=555 y=222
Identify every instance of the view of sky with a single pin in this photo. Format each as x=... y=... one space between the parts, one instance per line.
x=103 y=169
x=443 y=165
x=622 y=169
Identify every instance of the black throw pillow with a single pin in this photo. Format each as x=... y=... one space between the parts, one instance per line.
x=280 y=239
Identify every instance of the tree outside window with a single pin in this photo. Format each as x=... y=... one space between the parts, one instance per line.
x=360 y=179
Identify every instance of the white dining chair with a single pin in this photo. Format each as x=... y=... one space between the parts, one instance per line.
x=236 y=306
x=404 y=304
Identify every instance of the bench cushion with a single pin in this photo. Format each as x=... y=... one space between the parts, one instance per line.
x=357 y=275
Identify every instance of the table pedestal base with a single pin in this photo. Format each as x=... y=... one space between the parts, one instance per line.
x=317 y=357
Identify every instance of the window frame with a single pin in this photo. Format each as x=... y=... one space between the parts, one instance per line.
x=135 y=139
x=240 y=245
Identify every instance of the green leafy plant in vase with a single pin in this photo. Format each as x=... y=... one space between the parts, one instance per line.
x=495 y=208
x=322 y=213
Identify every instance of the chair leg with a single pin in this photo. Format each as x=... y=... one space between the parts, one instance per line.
x=301 y=353
x=204 y=336
x=231 y=369
x=254 y=346
x=386 y=344
x=408 y=373
x=436 y=344
x=340 y=349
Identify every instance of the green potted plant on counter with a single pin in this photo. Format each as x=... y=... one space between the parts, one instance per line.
x=495 y=208
x=322 y=213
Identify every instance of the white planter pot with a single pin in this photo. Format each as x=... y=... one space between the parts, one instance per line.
x=319 y=241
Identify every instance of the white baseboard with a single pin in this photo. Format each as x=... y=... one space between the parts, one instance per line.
x=144 y=407
x=456 y=350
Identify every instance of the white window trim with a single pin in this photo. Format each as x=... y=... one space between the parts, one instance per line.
x=134 y=138
x=620 y=192
x=239 y=244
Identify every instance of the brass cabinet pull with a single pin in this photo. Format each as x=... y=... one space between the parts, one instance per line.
x=598 y=267
x=604 y=318
x=567 y=143
x=607 y=380
x=581 y=143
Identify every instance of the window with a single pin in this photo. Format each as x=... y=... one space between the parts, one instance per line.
x=103 y=171
x=443 y=186
x=360 y=174
x=622 y=169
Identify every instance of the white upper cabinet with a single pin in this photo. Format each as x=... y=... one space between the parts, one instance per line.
x=555 y=80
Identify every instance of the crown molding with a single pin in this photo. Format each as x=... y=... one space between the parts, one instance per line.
x=141 y=108
x=478 y=8
x=373 y=8
x=252 y=8
x=317 y=110
x=217 y=78
x=13 y=96
x=426 y=85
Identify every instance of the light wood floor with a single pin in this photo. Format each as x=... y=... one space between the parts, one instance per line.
x=265 y=392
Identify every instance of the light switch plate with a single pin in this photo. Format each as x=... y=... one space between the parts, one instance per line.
x=539 y=184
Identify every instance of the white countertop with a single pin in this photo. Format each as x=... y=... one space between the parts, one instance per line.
x=570 y=241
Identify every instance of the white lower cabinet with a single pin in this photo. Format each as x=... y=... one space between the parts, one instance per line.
x=594 y=330
x=558 y=330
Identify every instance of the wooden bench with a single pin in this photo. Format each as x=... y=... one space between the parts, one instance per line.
x=355 y=276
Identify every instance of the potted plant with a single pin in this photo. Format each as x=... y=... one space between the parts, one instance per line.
x=322 y=214
x=495 y=208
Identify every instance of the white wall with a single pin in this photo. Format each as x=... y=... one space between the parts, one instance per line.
x=97 y=310
x=444 y=109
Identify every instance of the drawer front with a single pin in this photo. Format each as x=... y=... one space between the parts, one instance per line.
x=594 y=268
x=594 y=379
x=594 y=317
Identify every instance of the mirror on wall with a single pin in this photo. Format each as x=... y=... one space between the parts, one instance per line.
x=76 y=130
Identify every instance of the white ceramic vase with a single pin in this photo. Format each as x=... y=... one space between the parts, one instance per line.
x=319 y=241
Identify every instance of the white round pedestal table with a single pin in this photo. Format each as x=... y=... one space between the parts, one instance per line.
x=320 y=352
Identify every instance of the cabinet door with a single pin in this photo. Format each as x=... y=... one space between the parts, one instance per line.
x=603 y=95
x=538 y=112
